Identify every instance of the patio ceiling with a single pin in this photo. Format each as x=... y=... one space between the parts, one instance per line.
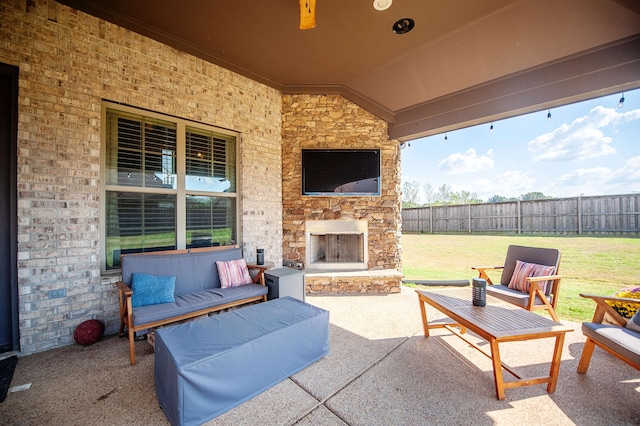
x=466 y=62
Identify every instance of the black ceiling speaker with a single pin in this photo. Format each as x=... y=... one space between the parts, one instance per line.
x=403 y=26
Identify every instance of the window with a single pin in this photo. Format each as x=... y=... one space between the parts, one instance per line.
x=169 y=183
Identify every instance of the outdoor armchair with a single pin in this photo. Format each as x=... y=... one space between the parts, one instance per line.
x=617 y=337
x=529 y=278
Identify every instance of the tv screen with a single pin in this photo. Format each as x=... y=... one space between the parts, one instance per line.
x=347 y=172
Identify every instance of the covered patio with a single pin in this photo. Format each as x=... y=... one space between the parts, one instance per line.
x=250 y=80
x=380 y=371
x=250 y=72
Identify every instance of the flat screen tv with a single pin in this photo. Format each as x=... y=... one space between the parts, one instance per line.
x=341 y=172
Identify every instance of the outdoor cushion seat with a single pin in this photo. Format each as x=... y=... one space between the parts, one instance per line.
x=512 y=296
x=622 y=340
x=195 y=301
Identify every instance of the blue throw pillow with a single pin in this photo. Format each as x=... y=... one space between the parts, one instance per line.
x=152 y=289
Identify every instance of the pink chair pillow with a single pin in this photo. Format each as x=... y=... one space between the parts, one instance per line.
x=233 y=273
x=524 y=270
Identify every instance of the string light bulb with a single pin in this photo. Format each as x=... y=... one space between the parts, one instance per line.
x=446 y=138
x=491 y=128
x=621 y=102
x=549 y=116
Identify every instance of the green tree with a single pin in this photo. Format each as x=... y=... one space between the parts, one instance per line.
x=534 y=196
x=410 y=194
x=464 y=197
x=500 y=199
x=429 y=195
x=444 y=194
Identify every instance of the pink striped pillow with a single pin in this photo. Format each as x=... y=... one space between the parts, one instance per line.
x=524 y=270
x=233 y=273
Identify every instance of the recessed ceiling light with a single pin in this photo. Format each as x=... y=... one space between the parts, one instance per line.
x=403 y=26
x=382 y=4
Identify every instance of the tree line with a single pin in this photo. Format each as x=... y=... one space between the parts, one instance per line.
x=413 y=193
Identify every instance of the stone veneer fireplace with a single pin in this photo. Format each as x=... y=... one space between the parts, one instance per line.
x=331 y=121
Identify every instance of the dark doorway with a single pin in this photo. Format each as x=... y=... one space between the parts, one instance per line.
x=9 y=332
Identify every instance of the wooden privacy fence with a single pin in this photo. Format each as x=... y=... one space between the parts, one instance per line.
x=606 y=214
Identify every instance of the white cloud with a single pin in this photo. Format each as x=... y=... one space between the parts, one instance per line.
x=629 y=174
x=598 y=180
x=466 y=162
x=630 y=116
x=509 y=184
x=581 y=139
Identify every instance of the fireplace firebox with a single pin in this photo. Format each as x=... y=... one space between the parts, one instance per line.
x=339 y=245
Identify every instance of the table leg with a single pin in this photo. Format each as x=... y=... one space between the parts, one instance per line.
x=423 y=311
x=498 y=378
x=555 y=363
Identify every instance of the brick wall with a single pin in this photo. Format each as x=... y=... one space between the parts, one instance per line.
x=310 y=121
x=69 y=62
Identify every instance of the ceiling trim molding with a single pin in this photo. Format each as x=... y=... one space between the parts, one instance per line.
x=607 y=69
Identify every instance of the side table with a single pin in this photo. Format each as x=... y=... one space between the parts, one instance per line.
x=285 y=282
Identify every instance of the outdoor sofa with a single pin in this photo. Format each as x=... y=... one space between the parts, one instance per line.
x=161 y=288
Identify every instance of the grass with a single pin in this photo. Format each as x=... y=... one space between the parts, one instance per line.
x=599 y=265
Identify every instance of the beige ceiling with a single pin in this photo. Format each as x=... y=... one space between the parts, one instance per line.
x=465 y=62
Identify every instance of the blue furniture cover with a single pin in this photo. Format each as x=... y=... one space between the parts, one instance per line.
x=206 y=367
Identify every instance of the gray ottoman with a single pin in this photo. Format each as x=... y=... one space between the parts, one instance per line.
x=206 y=367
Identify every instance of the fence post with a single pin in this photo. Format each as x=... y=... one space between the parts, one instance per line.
x=431 y=219
x=469 y=215
x=519 y=218
x=579 y=200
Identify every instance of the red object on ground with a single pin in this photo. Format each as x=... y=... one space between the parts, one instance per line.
x=89 y=332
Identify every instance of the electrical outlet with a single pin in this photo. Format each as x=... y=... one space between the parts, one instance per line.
x=57 y=294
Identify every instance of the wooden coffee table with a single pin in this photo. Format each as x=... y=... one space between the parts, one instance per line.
x=496 y=322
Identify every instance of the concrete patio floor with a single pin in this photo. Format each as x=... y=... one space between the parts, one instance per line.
x=380 y=371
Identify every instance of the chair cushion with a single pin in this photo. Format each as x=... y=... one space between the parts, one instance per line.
x=622 y=340
x=233 y=273
x=524 y=270
x=515 y=297
x=195 y=301
x=152 y=289
x=634 y=322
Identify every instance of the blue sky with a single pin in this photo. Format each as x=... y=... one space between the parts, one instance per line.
x=588 y=148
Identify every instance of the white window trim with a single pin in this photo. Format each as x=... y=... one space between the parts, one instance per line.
x=181 y=191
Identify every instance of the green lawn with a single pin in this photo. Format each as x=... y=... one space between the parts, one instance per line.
x=600 y=265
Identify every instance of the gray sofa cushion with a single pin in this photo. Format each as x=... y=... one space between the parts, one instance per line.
x=622 y=340
x=512 y=296
x=191 y=302
x=193 y=271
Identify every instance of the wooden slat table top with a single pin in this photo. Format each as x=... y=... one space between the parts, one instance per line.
x=498 y=319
